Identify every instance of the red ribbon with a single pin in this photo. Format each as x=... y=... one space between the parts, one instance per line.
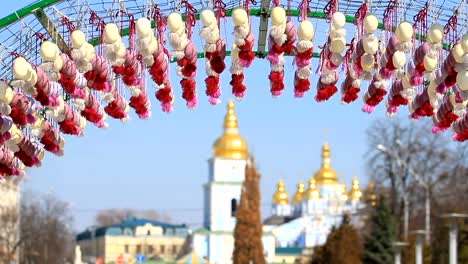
x=421 y=17
x=190 y=19
x=303 y=10
x=220 y=8
x=99 y=23
x=68 y=24
x=388 y=13
x=330 y=9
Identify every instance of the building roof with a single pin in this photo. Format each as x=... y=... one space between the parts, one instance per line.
x=277 y=220
x=126 y=224
x=288 y=251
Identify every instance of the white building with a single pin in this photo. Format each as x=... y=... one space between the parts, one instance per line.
x=222 y=194
x=303 y=222
x=306 y=220
x=9 y=215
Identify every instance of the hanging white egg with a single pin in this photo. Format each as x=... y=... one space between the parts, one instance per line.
x=58 y=64
x=406 y=82
x=430 y=64
x=462 y=80
x=278 y=16
x=78 y=38
x=336 y=58
x=111 y=33
x=20 y=69
x=338 y=20
x=399 y=59
x=174 y=21
x=338 y=45
x=49 y=51
x=367 y=62
x=458 y=52
x=306 y=30
x=464 y=43
x=143 y=27
x=207 y=17
x=371 y=23
x=370 y=45
x=239 y=16
x=404 y=31
x=89 y=52
x=436 y=33
x=234 y=53
x=152 y=46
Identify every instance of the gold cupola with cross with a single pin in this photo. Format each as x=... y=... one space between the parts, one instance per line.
x=280 y=196
x=230 y=145
x=325 y=175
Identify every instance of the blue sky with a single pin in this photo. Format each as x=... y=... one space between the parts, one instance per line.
x=161 y=163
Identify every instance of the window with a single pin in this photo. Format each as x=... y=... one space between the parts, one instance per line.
x=126 y=248
x=148 y=233
x=233 y=207
x=138 y=249
x=162 y=249
x=174 y=249
x=150 y=249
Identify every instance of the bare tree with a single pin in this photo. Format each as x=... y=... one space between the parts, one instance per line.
x=414 y=165
x=9 y=241
x=45 y=229
x=108 y=217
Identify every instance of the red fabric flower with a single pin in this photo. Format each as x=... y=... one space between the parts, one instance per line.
x=288 y=47
x=69 y=127
x=217 y=64
x=238 y=88
x=351 y=94
x=212 y=85
x=113 y=110
x=41 y=96
x=164 y=95
x=18 y=117
x=246 y=55
x=189 y=69
x=447 y=120
x=307 y=54
x=188 y=89
x=276 y=83
x=398 y=100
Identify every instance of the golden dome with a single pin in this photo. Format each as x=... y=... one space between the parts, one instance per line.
x=312 y=192
x=230 y=145
x=280 y=196
x=299 y=195
x=343 y=194
x=325 y=175
x=355 y=193
x=371 y=197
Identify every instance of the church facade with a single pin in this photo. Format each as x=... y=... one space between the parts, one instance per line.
x=301 y=222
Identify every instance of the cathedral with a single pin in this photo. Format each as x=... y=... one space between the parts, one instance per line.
x=301 y=222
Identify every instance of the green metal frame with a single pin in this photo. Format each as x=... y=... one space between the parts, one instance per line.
x=25 y=11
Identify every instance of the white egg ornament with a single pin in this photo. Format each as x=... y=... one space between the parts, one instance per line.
x=404 y=31
x=462 y=80
x=49 y=51
x=78 y=38
x=239 y=17
x=207 y=17
x=436 y=33
x=399 y=59
x=338 y=20
x=305 y=30
x=371 y=23
x=175 y=22
x=111 y=33
x=143 y=27
x=278 y=16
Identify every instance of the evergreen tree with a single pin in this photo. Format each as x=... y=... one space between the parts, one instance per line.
x=378 y=243
x=343 y=246
x=248 y=247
